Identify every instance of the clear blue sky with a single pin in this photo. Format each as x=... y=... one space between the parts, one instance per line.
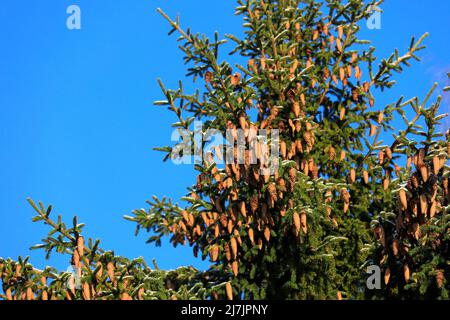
x=76 y=118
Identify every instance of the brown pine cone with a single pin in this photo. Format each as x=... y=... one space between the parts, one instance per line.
x=254 y=203
x=331 y=153
x=292 y=178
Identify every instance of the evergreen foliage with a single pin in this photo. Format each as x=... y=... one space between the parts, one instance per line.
x=341 y=199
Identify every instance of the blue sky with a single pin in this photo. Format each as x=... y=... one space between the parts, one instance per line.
x=77 y=123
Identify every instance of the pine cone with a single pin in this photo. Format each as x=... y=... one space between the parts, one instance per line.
x=345 y=195
x=413 y=182
x=254 y=203
x=235 y=268
x=208 y=76
x=272 y=190
x=233 y=244
x=292 y=178
x=406 y=272
x=439 y=279
x=267 y=234
x=297 y=222
x=331 y=153
x=403 y=199
x=251 y=236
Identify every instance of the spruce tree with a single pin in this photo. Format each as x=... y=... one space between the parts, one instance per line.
x=413 y=245
x=336 y=202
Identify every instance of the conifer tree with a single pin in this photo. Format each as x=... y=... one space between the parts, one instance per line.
x=413 y=239
x=339 y=199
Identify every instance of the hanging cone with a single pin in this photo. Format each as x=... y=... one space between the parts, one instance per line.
x=235 y=79
x=297 y=223
x=272 y=190
x=267 y=234
x=99 y=273
x=30 y=294
x=380 y=117
x=395 y=247
x=235 y=268
x=335 y=79
x=423 y=204
x=440 y=279
x=403 y=199
x=339 y=45
x=341 y=74
x=346 y=207
x=349 y=70
x=242 y=208
x=386 y=183
x=373 y=130
x=185 y=215
x=251 y=236
x=424 y=172
x=292 y=177
x=315 y=34
x=345 y=195
x=230 y=226
x=125 y=296
x=358 y=73
x=381 y=157
x=416 y=230
x=331 y=153
x=388 y=153
x=214 y=253
x=216 y=231
x=76 y=259
x=80 y=246
x=86 y=291
x=397 y=170
x=342 y=114
x=340 y=30
x=18 y=271
x=387 y=276
x=433 y=209
x=233 y=244
x=283 y=149
x=141 y=293
x=352 y=176
x=335 y=222
x=406 y=272
x=191 y=220
x=260 y=244
x=111 y=272
x=339 y=296
x=408 y=162
x=303 y=222
x=229 y=291
x=8 y=294
x=243 y=121
x=343 y=155
x=208 y=76
x=254 y=203
x=366 y=177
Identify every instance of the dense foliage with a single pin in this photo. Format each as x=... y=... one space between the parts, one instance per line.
x=340 y=200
